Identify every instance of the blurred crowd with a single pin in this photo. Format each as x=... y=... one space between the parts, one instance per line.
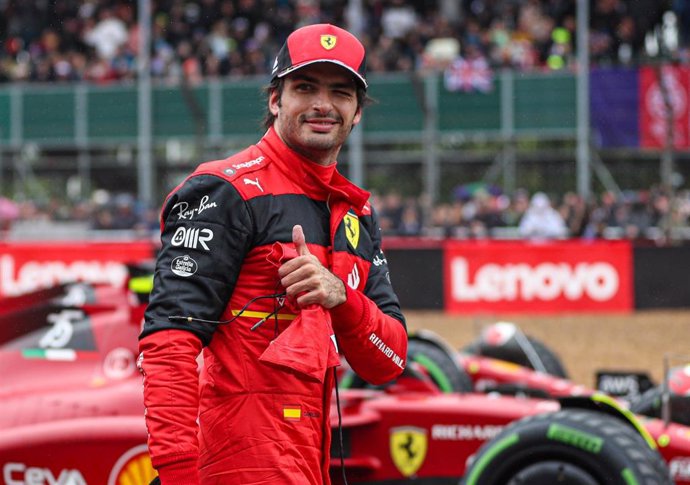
x=97 y=40
x=646 y=217
x=475 y=212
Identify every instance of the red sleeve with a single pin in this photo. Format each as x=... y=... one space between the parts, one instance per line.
x=167 y=360
x=374 y=344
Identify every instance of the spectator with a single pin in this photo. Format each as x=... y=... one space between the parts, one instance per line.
x=575 y=214
x=398 y=19
x=447 y=221
x=236 y=37
x=107 y=35
x=516 y=208
x=410 y=219
x=391 y=209
x=541 y=221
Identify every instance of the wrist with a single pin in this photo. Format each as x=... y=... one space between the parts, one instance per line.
x=338 y=294
x=180 y=471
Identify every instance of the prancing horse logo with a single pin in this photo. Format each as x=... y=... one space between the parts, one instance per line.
x=328 y=41
x=351 y=222
x=408 y=446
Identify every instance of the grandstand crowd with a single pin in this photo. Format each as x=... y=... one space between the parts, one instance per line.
x=97 y=40
x=648 y=217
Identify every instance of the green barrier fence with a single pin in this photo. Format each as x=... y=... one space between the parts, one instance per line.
x=82 y=114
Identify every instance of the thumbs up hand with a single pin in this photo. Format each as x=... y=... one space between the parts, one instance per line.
x=299 y=241
x=306 y=280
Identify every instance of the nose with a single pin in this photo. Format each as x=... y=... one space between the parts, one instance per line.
x=322 y=101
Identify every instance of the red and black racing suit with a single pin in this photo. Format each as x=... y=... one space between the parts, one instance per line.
x=257 y=424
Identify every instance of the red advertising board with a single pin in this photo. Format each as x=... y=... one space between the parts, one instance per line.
x=550 y=277
x=653 y=124
x=28 y=266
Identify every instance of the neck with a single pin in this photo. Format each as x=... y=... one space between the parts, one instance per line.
x=323 y=158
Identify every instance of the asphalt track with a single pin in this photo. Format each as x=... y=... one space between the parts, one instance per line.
x=585 y=342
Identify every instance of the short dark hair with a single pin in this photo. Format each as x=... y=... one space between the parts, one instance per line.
x=277 y=84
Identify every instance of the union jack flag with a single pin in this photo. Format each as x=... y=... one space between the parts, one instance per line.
x=469 y=75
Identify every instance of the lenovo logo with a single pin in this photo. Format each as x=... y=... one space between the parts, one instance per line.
x=16 y=279
x=598 y=281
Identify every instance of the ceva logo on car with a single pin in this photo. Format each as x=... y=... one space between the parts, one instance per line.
x=22 y=474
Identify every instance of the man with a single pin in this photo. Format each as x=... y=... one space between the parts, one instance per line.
x=270 y=259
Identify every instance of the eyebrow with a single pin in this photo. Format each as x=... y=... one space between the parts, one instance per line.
x=337 y=85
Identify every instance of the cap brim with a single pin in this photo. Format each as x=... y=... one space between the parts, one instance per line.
x=292 y=69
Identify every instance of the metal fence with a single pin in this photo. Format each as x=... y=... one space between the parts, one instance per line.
x=90 y=115
x=410 y=109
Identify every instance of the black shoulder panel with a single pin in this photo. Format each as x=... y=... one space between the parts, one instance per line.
x=207 y=232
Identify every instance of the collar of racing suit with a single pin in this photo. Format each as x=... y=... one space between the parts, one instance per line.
x=319 y=179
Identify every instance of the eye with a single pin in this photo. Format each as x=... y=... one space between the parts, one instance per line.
x=344 y=93
x=304 y=87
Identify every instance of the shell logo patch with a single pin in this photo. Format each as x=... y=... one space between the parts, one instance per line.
x=408 y=447
x=133 y=468
x=351 y=222
x=328 y=41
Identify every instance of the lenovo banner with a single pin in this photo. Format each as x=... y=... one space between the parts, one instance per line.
x=519 y=277
x=26 y=267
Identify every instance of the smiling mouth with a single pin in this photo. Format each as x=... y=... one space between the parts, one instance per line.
x=321 y=125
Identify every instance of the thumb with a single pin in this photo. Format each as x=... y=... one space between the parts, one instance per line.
x=299 y=241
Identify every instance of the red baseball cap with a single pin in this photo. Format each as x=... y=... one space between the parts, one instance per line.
x=321 y=43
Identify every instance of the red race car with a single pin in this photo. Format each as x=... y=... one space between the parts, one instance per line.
x=73 y=414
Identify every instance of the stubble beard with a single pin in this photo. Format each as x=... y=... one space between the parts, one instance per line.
x=321 y=148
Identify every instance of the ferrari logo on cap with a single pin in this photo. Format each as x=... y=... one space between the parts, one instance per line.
x=408 y=446
x=352 y=229
x=328 y=41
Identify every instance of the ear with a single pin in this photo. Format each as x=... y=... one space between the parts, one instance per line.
x=274 y=102
x=358 y=116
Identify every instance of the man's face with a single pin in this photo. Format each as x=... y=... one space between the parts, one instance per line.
x=316 y=111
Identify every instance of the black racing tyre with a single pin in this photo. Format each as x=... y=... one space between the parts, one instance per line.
x=438 y=365
x=549 y=362
x=443 y=369
x=649 y=403
x=567 y=447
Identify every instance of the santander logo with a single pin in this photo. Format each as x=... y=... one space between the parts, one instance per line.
x=546 y=281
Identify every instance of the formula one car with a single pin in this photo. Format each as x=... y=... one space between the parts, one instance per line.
x=73 y=414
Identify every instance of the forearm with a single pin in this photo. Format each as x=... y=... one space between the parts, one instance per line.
x=168 y=363
x=375 y=344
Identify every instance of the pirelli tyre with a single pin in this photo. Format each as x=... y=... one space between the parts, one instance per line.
x=432 y=361
x=568 y=447
x=441 y=367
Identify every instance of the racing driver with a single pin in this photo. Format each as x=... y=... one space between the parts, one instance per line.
x=271 y=266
